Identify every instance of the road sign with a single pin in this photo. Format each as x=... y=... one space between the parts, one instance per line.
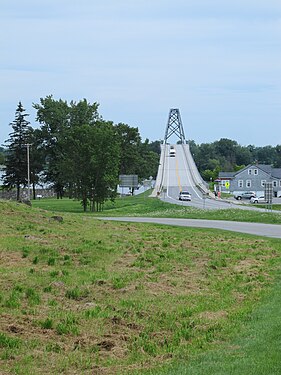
x=268 y=192
x=227 y=184
x=129 y=180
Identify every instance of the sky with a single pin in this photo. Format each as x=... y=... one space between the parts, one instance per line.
x=217 y=61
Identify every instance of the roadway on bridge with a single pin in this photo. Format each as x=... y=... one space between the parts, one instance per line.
x=179 y=173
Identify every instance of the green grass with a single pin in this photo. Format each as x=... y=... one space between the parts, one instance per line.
x=143 y=205
x=256 y=351
x=90 y=296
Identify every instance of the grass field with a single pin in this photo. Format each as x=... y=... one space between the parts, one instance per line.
x=142 y=205
x=85 y=296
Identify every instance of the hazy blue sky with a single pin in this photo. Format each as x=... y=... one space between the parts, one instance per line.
x=218 y=61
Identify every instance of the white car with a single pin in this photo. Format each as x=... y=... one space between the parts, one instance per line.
x=260 y=199
x=184 y=196
x=172 y=152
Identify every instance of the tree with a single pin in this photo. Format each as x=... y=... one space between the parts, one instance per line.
x=57 y=117
x=277 y=163
x=2 y=156
x=15 y=173
x=148 y=160
x=91 y=163
x=129 y=139
x=53 y=115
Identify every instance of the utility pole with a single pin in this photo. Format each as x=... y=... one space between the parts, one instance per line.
x=28 y=171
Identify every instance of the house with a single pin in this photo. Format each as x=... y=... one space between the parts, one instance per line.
x=251 y=178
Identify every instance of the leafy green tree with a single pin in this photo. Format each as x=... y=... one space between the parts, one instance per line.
x=15 y=174
x=53 y=115
x=277 y=163
x=243 y=155
x=148 y=161
x=56 y=118
x=2 y=156
x=129 y=140
x=265 y=155
x=91 y=163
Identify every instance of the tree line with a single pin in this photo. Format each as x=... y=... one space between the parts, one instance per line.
x=75 y=151
x=80 y=154
x=228 y=156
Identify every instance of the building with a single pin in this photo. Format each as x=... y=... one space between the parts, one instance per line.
x=251 y=178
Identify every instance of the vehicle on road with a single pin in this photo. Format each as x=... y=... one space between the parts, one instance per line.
x=184 y=196
x=172 y=152
x=260 y=199
x=244 y=195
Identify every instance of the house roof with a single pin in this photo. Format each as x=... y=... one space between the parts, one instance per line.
x=276 y=172
x=272 y=172
x=265 y=167
x=226 y=174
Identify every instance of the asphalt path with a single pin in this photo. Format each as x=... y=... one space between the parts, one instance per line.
x=258 y=229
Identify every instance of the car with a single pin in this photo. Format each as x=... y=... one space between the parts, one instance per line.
x=245 y=195
x=260 y=199
x=184 y=196
x=172 y=152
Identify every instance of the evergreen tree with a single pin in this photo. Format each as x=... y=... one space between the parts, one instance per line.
x=15 y=173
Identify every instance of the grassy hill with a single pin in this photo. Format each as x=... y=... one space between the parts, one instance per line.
x=84 y=296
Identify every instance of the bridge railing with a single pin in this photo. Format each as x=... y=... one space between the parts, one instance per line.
x=160 y=174
x=197 y=179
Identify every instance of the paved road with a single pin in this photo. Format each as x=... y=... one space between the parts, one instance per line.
x=258 y=229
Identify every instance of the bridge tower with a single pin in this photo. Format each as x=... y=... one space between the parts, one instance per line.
x=174 y=126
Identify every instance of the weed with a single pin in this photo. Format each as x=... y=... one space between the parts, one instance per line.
x=9 y=342
x=51 y=261
x=67 y=325
x=47 y=289
x=96 y=312
x=54 y=273
x=13 y=301
x=25 y=252
x=32 y=296
x=76 y=293
x=18 y=288
x=47 y=323
x=119 y=282
x=53 y=347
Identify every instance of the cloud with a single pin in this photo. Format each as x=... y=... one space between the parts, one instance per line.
x=218 y=61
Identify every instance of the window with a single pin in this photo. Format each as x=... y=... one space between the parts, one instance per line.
x=240 y=183
x=263 y=182
x=248 y=183
x=256 y=172
x=249 y=171
x=280 y=183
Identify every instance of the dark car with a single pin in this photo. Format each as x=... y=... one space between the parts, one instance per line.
x=245 y=195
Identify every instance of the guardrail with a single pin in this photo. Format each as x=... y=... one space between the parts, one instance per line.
x=196 y=177
x=160 y=174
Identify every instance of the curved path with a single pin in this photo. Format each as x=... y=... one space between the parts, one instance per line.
x=258 y=229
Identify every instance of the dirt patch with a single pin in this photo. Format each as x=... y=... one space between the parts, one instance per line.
x=213 y=315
